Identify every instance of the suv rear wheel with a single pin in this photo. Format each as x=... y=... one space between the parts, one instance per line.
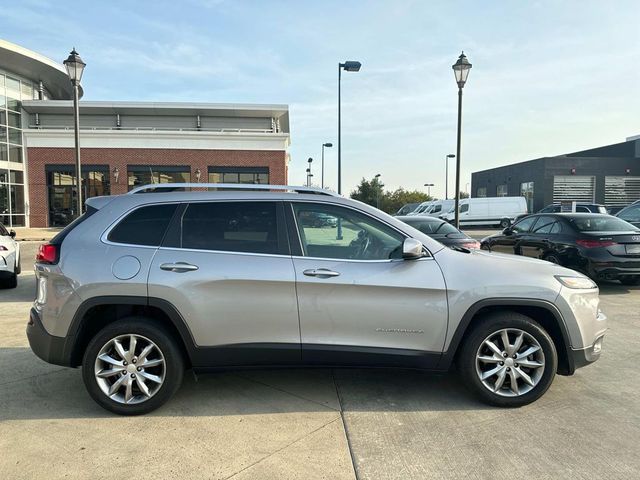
x=132 y=366
x=508 y=360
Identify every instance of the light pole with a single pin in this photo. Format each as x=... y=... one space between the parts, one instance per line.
x=328 y=145
x=429 y=185
x=446 y=175
x=461 y=70
x=309 y=172
x=348 y=66
x=75 y=67
x=377 y=177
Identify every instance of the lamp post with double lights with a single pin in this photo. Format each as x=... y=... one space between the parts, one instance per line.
x=378 y=188
x=429 y=185
x=75 y=68
x=446 y=175
x=348 y=66
x=461 y=71
x=309 y=174
x=328 y=145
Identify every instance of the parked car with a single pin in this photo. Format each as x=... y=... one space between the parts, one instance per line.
x=441 y=231
x=9 y=258
x=631 y=214
x=407 y=209
x=600 y=246
x=488 y=211
x=421 y=208
x=580 y=208
x=244 y=277
x=437 y=207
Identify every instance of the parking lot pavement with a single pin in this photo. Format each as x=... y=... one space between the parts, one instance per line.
x=287 y=423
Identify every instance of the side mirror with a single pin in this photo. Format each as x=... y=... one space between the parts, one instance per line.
x=412 y=249
x=12 y=234
x=507 y=231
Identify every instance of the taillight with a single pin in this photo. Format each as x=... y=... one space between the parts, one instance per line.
x=595 y=243
x=471 y=245
x=47 y=253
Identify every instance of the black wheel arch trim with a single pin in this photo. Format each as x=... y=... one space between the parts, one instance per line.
x=75 y=329
x=448 y=356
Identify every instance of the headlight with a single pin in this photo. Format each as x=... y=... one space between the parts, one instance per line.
x=576 y=282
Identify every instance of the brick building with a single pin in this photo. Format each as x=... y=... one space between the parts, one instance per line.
x=123 y=144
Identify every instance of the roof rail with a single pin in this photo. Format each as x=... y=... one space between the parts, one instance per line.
x=157 y=187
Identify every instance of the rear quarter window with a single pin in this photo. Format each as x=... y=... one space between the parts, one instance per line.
x=144 y=226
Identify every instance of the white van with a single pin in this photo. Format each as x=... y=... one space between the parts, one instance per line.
x=488 y=211
x=438 y=207
x=421 y=208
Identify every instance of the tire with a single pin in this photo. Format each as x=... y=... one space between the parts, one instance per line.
x=18 y=267
x=505 y=223
x=474 y=346
x=553 y=258
x=12 y=281
x=166 y=367
x=632 y=280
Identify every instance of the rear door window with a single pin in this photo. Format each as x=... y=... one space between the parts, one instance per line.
x=524 y=225
x=144 y=226
x=245 y=227
x=545 y=226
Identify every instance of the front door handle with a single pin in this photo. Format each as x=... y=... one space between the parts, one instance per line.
x=320 y=272
x=179 y=267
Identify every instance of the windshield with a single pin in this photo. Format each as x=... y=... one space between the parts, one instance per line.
x=601 y=223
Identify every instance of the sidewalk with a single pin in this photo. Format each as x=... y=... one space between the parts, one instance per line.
x=35 y=234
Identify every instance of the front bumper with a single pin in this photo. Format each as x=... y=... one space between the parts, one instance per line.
x=51 y=349
x=586 y=356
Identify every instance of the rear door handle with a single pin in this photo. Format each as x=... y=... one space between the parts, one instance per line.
x=320 y=272
x=179 y=267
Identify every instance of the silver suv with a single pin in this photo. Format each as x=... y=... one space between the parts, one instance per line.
x=147 y=284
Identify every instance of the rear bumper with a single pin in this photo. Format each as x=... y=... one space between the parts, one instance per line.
x=51 y=349
x=612 y=270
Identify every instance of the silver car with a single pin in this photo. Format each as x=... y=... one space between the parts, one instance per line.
x=147 y=284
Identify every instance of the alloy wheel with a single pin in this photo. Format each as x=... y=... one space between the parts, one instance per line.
x=130 y=369
x=510 y=362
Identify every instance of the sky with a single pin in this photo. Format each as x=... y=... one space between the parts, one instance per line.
x=548 y=77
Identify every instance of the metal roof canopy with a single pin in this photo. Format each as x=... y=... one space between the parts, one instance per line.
x=33 y=66
x=64 y=107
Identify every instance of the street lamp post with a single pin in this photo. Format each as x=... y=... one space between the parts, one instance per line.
x=429 y=185
x=75 y=67
x=461 y=71
x=328 y=145
x=377 y=177
x=446 y=175
x=348 y=66
x=309 y=172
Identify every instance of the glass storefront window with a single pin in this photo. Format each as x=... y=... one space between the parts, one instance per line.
x=15 y=154
x=61 y=183
x=482 y=192
x=248 y=175
x=501 y=191
x=15 y=136
x=139 y=175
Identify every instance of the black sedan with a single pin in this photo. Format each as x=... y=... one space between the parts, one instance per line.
x=600 y=246
x=440 y=230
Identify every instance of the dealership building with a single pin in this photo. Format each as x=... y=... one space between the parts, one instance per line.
x=123 y=144
x=609 y=175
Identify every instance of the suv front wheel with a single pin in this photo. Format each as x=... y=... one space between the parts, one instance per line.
x=132 y=366
x=508 y=360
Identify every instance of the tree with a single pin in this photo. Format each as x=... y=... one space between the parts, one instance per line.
x=464 y=195
x=370 y=191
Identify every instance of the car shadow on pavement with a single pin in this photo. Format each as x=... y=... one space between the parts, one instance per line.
x=37 y=390
x=615 y=288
